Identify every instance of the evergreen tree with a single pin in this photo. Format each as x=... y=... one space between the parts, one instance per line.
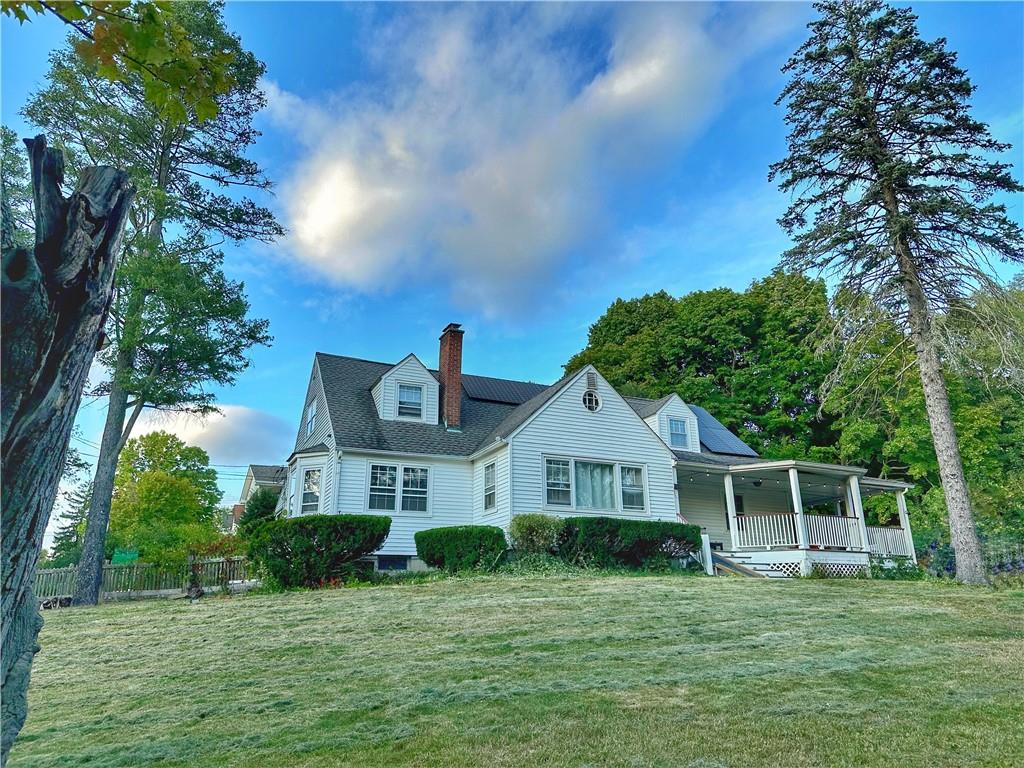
x=67 y=538
x=261 y=507
x=893 y=183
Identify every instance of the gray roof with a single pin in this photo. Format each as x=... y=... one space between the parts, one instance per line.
x=491 y=409
x=715 y=437
x=268 y=474
x=715 y=459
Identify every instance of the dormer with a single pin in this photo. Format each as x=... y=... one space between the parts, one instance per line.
x=407 y=392
x=676 y=425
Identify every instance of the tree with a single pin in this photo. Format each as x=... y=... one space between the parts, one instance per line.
x=893 y=180
x=67 y=539
x=16 y=184
x=162 y=516
x=55 y=297
x=168 y=453
x=141 y=39
x=261 y=507
x=177 y=324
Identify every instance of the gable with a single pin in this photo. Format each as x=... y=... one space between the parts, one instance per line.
x=673 y=407
x=409 y=372
x=322 y=431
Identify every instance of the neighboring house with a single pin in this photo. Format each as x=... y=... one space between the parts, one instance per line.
x=270 y=476
x=431 y=448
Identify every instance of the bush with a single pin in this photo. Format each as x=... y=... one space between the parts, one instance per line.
x=535 y=534
x=260 y=508
x=898 y=569
x=317 y=549
x=607 y=541
x=461 y=547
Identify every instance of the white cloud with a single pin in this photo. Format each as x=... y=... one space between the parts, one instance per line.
x=238 y=435
x=490 y=152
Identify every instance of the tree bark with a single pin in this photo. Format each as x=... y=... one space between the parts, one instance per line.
x=55 y=300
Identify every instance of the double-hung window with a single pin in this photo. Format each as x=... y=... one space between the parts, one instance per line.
x=410 y=401
x=310 y=491
x=383 y=489
x=310 y=418
x=414 y=489
x=632 y=488
x=489 y=486
x=677 y=433
x=558 y=482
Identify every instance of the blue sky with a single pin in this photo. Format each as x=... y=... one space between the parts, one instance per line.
x=512 y=168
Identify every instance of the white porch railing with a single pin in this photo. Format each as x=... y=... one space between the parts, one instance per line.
x=766 y=531
x=887 y=540
x=832 y=531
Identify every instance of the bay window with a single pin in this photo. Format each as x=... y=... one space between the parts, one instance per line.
x=311 y=491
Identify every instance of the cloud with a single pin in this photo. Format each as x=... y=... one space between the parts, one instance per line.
x=238 y=435
x=491 y=150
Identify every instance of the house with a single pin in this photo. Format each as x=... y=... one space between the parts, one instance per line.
x=257 y=476
x=435 y=447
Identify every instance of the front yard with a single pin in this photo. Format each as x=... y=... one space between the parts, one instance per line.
x=560 y=671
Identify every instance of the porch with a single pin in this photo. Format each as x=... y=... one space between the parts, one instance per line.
x=789 y=517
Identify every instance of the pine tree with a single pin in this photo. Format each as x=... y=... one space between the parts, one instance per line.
x=893 y=183
x=67 y=539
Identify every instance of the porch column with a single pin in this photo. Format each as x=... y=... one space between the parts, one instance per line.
x=730 y=512
x=901 y=505
x=798 y=508
x=853 y=484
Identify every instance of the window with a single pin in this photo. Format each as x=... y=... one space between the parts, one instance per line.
x=489 y=486
x=392 y=563
x=595 y=485
x=678 y=437
x=382 y=486
x=310 y=491
x=310 y=418
x=559 y=488
x=292 y=490
x=414 y=489
x=632 y=488
x=410 y=401
x=591 y=401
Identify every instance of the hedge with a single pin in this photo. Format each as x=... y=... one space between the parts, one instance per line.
x=535 y=534
x=460 y=547
x=314 y=550
x=610 y=541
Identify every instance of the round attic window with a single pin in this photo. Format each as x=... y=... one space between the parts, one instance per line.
x=591 y=401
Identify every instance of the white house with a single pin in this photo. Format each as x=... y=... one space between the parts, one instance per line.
x=434 y=447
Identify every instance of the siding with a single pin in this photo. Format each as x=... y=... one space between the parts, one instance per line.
x=676 y=409
x=501 y=514
x=702 y=503
x=409 y=371
x=613 y=433
x=322 y=433
x=450 y=497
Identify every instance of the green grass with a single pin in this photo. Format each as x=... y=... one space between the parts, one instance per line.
x=557 y=671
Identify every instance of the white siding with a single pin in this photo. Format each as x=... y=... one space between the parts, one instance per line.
x=702 y=502
x=501 y=513
x=409 y=371
x=322 y=434
x=676 y=409
x=564 y=427
x=450 y=496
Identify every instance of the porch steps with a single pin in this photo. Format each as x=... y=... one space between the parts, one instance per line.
x=735 y=564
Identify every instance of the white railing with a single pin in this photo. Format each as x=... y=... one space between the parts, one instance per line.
x=763 y=531
x=832 y=531
x=887 y=540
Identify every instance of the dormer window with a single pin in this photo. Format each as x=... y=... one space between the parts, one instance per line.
x=410 y=401
x=678 y=435
x=310 y=418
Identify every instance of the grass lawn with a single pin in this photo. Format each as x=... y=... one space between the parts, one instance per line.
x=559 y=671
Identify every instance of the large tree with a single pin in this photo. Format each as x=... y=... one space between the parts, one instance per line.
x=165 y=452
x=177 y=324
x=893 y=183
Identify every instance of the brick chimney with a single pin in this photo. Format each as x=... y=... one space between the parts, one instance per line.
x=449 y=365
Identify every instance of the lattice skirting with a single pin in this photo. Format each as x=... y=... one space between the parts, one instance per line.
x=842 y=570
x=790 y=569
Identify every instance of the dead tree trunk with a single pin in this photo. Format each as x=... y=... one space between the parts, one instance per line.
x=55 y=301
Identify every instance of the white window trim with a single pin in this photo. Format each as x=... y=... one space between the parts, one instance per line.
x=493 y=466
x=617 y=465
x=298 y=477
x=423 y=400
x=399 y=467
x=311 y=418
x=686 y=424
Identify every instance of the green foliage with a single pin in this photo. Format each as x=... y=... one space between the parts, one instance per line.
x=143 y=40
x=260 y=508
x=461 y=547
x=168 y=453
x=315 y=550
x=16 y=188
x=163 y=516
x=897 y=569
x=609 y=542
x=535 y=534
x=749 y=358
x=67 y=538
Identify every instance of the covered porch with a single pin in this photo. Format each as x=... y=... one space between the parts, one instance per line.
x=792 y=513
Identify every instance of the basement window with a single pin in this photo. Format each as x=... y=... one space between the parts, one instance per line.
x=392 y=563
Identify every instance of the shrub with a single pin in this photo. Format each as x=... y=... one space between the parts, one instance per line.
x=607 y=541
x=535 y=534
x=317 y=549
x=260 y=508
x=897 y=569
x=461 y=547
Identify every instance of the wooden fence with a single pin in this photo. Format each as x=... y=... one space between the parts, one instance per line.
x=144 y=578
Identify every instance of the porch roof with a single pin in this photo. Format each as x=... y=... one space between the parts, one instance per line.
x=731 y=464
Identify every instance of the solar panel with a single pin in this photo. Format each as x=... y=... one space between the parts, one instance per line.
x=500 y=390
x=716 y=437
